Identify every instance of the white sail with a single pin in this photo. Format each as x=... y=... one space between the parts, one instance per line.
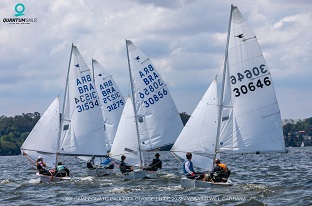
x=159 y=122
x=251 y=119
x=111 y=100
x=199 y=134
x=83 y=127
x=126 y=142
x=42 y=140
x=246 y=117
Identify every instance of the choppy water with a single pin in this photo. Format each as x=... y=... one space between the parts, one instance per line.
x=265 y=179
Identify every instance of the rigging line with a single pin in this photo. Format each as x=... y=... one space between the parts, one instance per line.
x=237 y=158
x=31 y=160
x=174 y=155
x=221 y=63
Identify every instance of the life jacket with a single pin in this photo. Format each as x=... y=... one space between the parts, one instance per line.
x=60 y=167
x=226 y=172
x=191 y=167
x=40 y=165
x=223 y=166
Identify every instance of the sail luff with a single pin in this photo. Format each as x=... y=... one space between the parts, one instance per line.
x=223 y=83
x=134 y=106
x=63 y=107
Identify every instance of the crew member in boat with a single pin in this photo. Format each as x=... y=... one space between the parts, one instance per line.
x=189 y=171
x=108 y=164
x=41 y=166
x=90 y=163
x=220 y=172
x=61 y=170
x=156 y=164
x=123 y=166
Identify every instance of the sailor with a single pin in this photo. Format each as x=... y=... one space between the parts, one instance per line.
x=41 y=166
x=90 y=163
x=123 y=166
x=108 y=164
x=220 y=172
x=156 y=164
x=61 y=170
x=189 y=171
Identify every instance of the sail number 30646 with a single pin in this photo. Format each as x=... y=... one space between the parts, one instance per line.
x=254 y=72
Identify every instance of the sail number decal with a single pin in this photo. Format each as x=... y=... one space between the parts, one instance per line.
x=249 y=74
x=110 y=96
x=154 y=90
x=115 y=105
x=88 y=98
x=251 y=86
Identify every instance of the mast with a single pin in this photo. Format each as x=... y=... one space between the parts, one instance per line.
x=63 y=107
x=134 y=107
x=223 y=83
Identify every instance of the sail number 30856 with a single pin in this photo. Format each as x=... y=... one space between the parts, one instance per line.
x=251 y=86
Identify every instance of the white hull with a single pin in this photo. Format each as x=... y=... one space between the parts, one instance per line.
x=49 y=179
x=99 y=171
x=190 y=183
x=136 y=174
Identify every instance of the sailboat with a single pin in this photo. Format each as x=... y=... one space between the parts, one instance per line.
x=244 y=118
x=111 y=100
x=80 y=128
x=112 y=103
x=150 y=119
x=302 y=144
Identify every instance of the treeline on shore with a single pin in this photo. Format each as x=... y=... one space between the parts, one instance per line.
x=14 y=130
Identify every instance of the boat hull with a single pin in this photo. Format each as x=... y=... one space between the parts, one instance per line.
x=49 y=179
x=191 y=183
x=136 y=174
x=99 y=171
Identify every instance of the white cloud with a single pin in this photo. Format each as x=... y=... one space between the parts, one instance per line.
x=184 y=39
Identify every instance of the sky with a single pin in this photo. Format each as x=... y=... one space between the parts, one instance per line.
x=185 y=40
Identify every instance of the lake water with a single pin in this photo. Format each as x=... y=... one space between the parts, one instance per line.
x=265 y=179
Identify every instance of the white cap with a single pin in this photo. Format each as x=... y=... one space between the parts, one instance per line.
x=40 y=157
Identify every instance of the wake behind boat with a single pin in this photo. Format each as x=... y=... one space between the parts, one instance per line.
x=245 y=118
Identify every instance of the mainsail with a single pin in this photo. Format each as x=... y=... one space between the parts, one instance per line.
x=251 y=119
x=158 y=119
x=111 y=100
x=154 y=120
x=82 y=122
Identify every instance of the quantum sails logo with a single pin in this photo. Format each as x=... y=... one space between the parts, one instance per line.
x=19 y=19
